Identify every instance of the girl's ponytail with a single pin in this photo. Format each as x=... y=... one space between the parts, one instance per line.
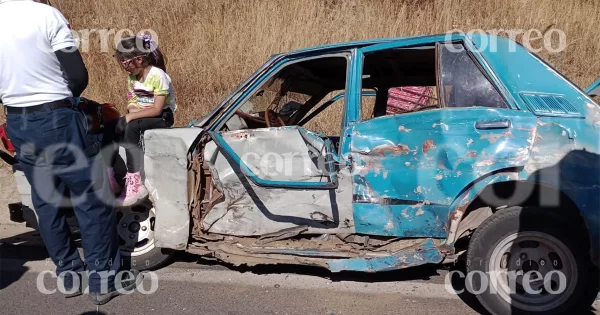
x=155 y=56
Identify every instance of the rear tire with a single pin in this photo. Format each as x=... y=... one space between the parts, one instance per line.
x=532 y=239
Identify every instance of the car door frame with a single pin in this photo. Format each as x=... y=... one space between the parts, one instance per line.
x=354 y=88
x=267 y=73
x=214 y=132
x=354 y=105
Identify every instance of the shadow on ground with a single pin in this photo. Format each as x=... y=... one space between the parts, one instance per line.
x=424 y=272
x=16 y=255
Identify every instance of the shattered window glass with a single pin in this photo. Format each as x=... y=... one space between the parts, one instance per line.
x=463 y=84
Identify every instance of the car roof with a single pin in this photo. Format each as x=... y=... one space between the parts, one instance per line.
x=359 y=44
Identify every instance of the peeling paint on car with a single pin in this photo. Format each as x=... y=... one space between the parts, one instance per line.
x=403 y=129
x=493 y=137
x=441 y=124
x=428 y=253
x=428 y=145
x=413 y=175
x=485 y=163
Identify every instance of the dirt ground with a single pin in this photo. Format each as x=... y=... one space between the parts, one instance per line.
x=8 y=192
x=13 y=233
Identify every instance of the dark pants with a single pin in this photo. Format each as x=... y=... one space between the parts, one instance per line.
x=56 y=154
x=131 y=139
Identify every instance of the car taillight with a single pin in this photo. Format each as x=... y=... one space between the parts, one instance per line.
x=5 y=141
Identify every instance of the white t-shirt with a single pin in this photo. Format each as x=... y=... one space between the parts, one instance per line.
x=30 y=33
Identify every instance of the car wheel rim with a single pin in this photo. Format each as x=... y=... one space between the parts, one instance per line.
x=136 y=231
x=550 y=264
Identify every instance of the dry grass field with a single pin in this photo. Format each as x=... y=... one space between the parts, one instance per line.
x=212 y=45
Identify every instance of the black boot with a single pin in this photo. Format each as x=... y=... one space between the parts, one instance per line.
x=130 y=282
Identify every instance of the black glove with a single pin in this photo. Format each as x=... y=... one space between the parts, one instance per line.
x=120 y=127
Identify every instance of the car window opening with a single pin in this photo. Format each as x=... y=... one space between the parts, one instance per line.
x=404 y=80
x=299 y=94
x=408 y=80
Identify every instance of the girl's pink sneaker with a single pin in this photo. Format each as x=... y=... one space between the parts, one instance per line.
x=114 y=185
x=133 y=191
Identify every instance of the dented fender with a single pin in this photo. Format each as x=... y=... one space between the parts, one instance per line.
x=409 y=169
x=460 y=205
x=165 y=166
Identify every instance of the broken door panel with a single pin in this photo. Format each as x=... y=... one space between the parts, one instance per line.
x=288 y=157
x=292 y=185
x=409 y=168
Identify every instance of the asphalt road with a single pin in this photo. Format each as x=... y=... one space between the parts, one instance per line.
x=192 y=286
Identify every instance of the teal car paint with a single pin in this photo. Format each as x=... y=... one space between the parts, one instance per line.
x=414 y=175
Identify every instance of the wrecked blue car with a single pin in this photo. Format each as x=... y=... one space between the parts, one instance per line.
x=388 y=154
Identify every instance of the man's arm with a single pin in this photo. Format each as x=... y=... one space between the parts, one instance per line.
x=65 y=48
x=75 y=70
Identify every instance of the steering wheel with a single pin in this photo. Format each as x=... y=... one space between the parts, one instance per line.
x=261 y=120
x=268 y=112
x=274 y=104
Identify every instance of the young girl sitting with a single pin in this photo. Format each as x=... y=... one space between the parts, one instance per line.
x=151 y=104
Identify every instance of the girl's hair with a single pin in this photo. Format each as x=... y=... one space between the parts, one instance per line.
x=136 y=46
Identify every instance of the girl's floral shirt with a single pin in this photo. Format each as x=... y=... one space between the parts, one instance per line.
x=141 y=94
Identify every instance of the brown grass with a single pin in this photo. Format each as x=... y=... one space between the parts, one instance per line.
x=212 y=45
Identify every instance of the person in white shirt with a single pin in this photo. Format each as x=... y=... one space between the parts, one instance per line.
x=42 y=76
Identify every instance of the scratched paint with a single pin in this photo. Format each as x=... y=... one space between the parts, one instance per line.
x=562 y=148
x=434 y=165
x=416 y=220
x=565 y=156
x=425 y=255
x=415 y=174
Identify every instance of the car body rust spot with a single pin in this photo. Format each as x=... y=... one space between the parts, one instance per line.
x=394 y=149
x=428 y=145
x=485 y=163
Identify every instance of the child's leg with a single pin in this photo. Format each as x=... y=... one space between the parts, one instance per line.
x=132 y=140
x=110 y=152
x=110 y=141
x=135 y=189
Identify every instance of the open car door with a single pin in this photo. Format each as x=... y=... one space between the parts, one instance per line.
x=273 y=179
